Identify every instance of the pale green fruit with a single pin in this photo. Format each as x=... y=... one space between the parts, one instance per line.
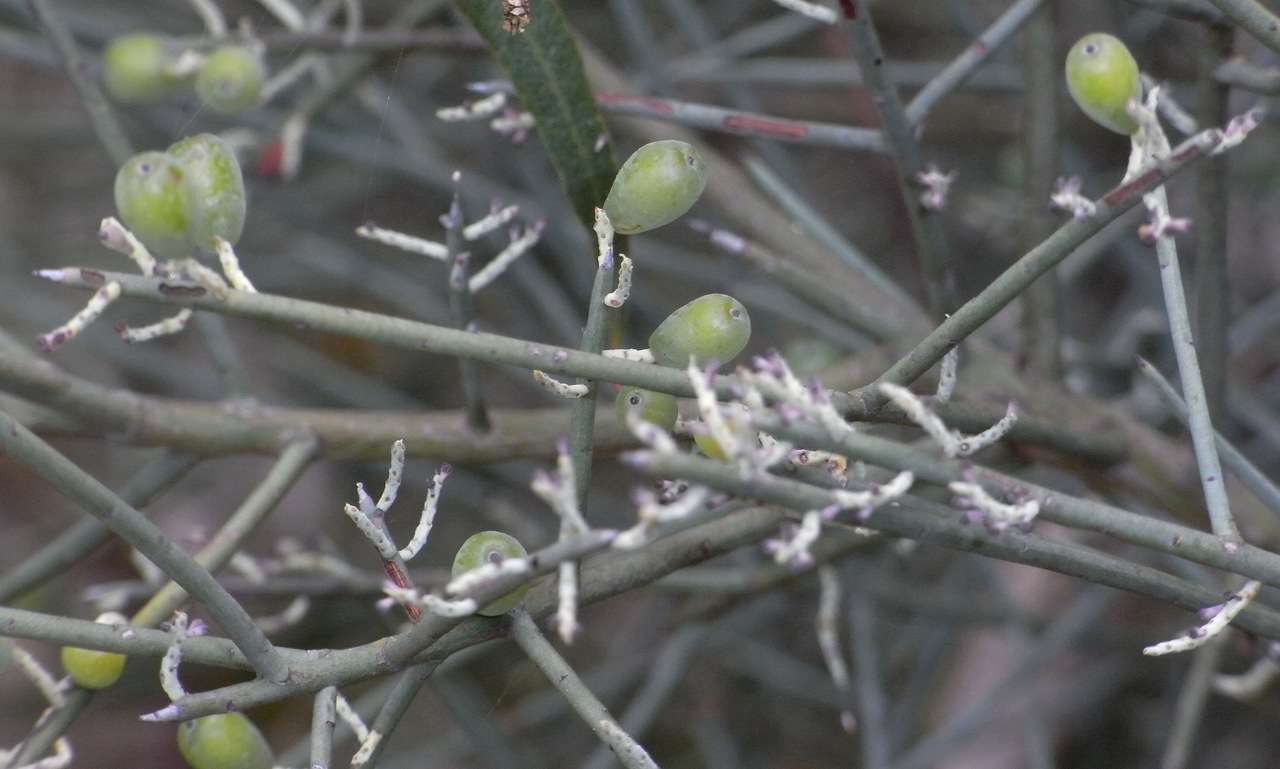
x=224 y=741
x=1103 y=78
x=216 y=188
x=92 y=669
x=491 y=547
x=154 y=202
x=137 y=68
x=651 y=406
x=231 y=79
x=715 y=326
x=710 y=446
x=657 y=185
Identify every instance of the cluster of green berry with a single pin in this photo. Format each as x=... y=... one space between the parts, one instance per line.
x=658 y=184
x=143 y=68
x=178 y=201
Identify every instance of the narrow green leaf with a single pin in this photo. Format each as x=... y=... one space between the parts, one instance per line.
x=544 y=65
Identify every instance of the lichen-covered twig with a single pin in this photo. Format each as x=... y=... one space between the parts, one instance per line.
x=1219 y=617
x=953 y=442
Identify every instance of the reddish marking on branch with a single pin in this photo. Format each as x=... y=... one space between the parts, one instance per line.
x=1149 y=179
x=850 y=9
x=400 y=578
x=92 y=277
x=659 y=106
x=979 y=47
x=269 y=159
x=755 y=125
x=176 y=289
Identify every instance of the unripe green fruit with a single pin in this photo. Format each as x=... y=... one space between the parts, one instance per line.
x=224 y=741
x=90 y=668
x=715 y=326
x=136 y=68
x=657 y=185
x=710 y=446
x=231 y=79
x=651 y=406
x=154 y=201
x=1103 y=78
x=491 y=547
x=216 y=189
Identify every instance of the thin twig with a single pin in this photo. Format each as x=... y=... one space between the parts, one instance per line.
x=1190 y=708
x=101 y=115
x=899 y=134
x=1254 y=479
x=323 y=719
x=525 y=632
x=132 y=526
x=973 y=57
x=1254 y=18
x=460 y=308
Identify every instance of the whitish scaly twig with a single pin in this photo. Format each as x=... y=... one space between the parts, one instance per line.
x=477 y=109
x=815 y=11
x=652 y=511
x=1218 y=616
x=618 y=297
x=1067 y=197
x=413 y=245
x=558 y=388
x=980 y=506
x=51 y=691
x=93 y=309
x=826 y=625
x=169 y=680
x=947 y=376
x=171 y=325
x=231 y=266
x=561 y=492
x=792 y=547
x=442 y=607
x=522 y=241
x=425 y=522
x=480 y=577
x=514 y=124
x=42 y=679
x=773 y=377
x=348 y=714
x=1150 y=143
x=118 y=238
x=953 y=442
x=1252 y=682
x=526 y=634
x=496 y=217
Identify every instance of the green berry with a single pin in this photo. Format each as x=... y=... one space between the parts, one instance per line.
x=491 y=547
x=655 y=407
x=138 y=68
x=224 y=741
x=216 y=188
x=710 y=446
x=154 y=201
x=657 y=185
x=230 y=80
x=90 y=668
x=1103 y=78
x=715 y=326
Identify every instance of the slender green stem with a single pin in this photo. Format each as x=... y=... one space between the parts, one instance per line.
x=1248 y=77
x=525 y=633
x=1190 y=10
x=1254 y=479
x=926 y=226
x=324 y=717
x=963 y=66
x=70 y=547
x=1254 y=18
x=1212 y=290
x=424 y=337
x=132 y=526
x=1013 y=281
x=916 y=519
x=408 y=683
x=873 y=732
x=224 y=544
x=101 y=116
x=48 y=729
x=1055 y=506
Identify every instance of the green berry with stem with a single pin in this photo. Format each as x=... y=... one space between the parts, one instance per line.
x=1103 y=78
x=230 y=80
x=715 y=326
x=491 y=547
x=651 y=406
x=216 y=188
x=657 y=185
x=224 y=741
x=93 y=669
x=139 y=68
x=154 y=202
